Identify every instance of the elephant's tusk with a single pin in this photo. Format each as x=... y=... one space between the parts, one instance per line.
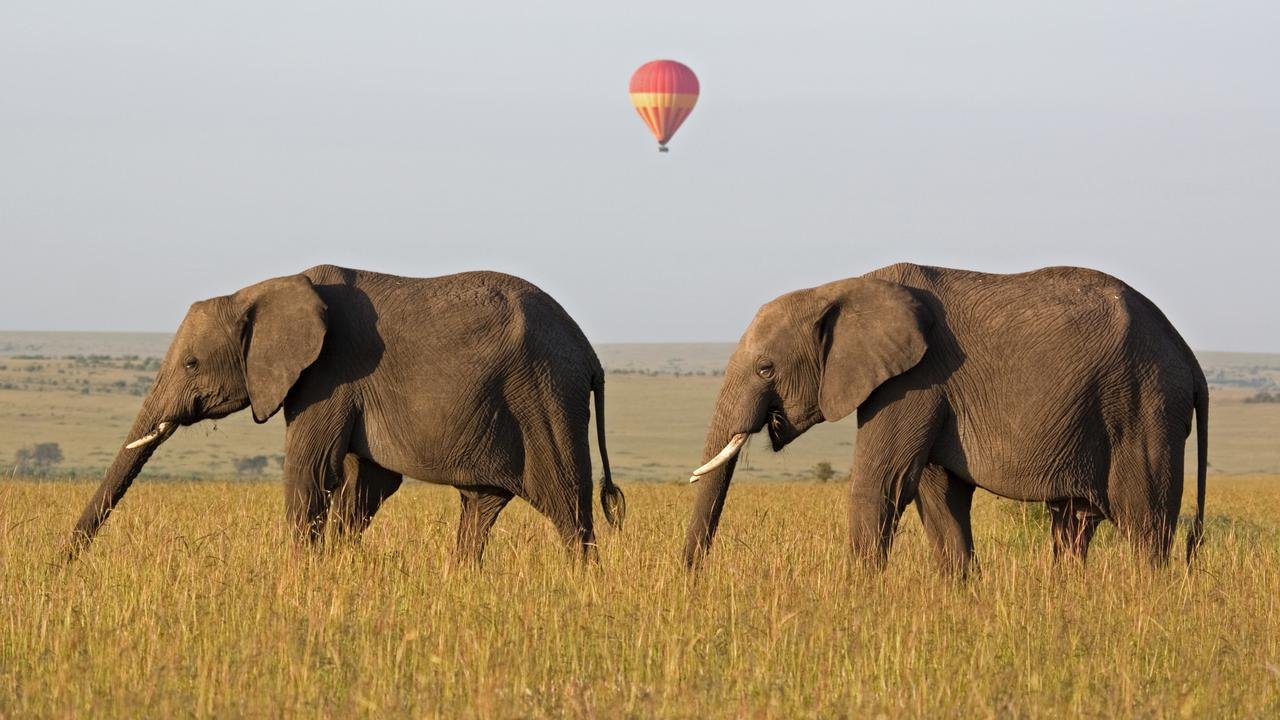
x=161 y=431
x=735 y=444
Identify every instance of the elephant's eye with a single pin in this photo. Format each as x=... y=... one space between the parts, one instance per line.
x=190 y=363
x=766 y=371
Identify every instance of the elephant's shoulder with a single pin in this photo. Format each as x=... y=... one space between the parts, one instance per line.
x=331 y=275
x=911 y=274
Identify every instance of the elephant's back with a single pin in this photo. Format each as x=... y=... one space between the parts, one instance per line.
x=540 y=328
x=1073 y=314
x=1050 y=286
x=1054 y=346
x=385 y=289
x=470 y=318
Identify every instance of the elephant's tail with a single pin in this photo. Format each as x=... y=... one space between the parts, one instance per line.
x=612 y=501
x=1202 y=460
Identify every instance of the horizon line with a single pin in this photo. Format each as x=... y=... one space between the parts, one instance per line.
x=593 y=342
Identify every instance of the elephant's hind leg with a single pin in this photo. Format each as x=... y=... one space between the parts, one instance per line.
x=480 y=509
x=1145 y=491
x=366 y=485
x=1074 y=523
x=569 y=509
x=557 y=481
x=944 y=502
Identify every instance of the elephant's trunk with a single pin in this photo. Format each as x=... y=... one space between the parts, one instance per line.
x=126 y=466
x=725 y=438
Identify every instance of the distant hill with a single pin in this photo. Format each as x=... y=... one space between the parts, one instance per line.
x=665 y=358
x=1260 y=371
x=62 y=344
x=661 y=358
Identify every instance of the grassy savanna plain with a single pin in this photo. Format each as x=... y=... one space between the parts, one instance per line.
x=192 y=602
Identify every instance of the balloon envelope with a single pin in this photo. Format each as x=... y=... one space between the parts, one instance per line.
x=664 y=93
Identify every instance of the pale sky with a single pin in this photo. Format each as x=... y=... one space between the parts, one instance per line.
x=156 y=153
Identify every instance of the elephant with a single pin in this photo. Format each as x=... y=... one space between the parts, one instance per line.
x=477 y=380
x=1062 y=385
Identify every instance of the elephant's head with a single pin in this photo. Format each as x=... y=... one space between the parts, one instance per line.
x=231 y=352
x=808 y=356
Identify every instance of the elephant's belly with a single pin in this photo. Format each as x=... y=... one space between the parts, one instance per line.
x=1043 y=451
x=1026 y=472
x=1026 y=487
x=438 y=452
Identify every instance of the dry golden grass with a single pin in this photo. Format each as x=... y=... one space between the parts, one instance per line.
x=192 y=604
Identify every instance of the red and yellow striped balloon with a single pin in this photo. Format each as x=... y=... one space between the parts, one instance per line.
x=664 y=93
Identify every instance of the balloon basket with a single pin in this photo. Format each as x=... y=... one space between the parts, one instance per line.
x=662 y=148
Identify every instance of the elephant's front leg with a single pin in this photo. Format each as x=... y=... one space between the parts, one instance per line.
x=315 y=448
x=874 y=510
x=891 y=452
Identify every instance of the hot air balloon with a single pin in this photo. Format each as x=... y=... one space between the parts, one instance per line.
x=664 y=93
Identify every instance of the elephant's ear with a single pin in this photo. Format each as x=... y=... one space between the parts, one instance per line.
x=283 y=330
x=869 y=331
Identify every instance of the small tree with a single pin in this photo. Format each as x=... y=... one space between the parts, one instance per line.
x=823 y=471
x=251 y=466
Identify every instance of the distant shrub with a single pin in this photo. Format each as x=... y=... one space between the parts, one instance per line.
x=133 y=363
x=250 y=466
x=37 y=459
x=823 y=471
x=1262 y=396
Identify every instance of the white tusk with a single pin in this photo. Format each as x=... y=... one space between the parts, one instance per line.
x=161 y=430
x=735 y=444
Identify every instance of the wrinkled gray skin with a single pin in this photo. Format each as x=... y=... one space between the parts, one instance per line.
x=478 y=380
x=1062 y=385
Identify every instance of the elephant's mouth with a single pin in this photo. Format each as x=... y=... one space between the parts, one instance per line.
x=781 y=431
x=779 y=428
x=216 y=409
